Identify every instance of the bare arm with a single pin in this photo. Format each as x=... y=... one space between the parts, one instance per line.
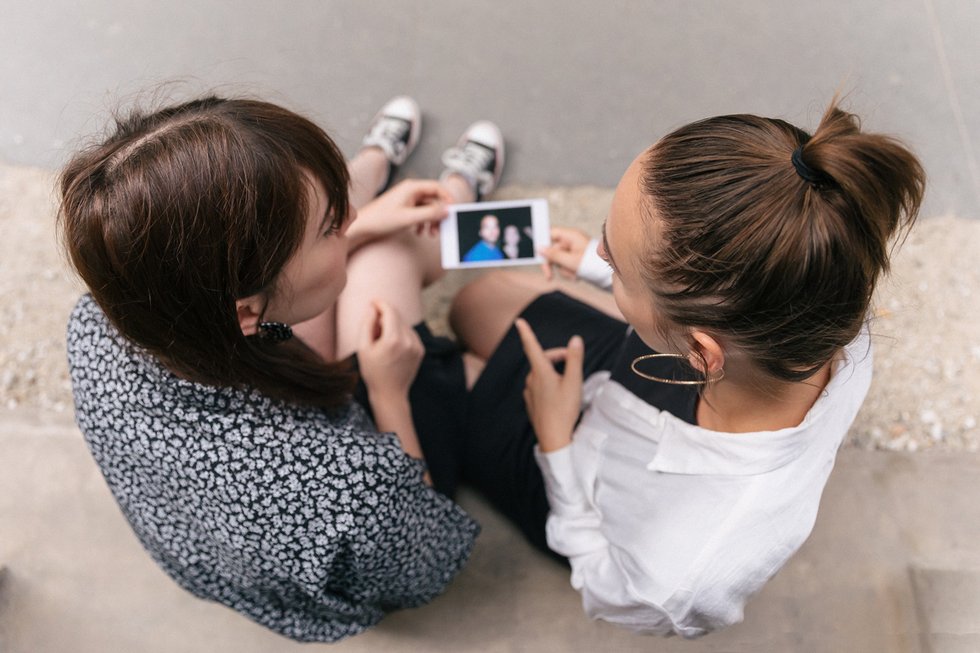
x=389 y=356
x=413 y=203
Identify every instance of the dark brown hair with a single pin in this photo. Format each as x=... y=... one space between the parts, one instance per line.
x=781 y=268
x=182 y=211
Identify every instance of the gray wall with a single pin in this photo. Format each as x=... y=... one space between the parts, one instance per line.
x=578 y=87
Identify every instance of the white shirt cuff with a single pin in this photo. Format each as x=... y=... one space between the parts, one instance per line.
x=565 y=494
x=592 y=268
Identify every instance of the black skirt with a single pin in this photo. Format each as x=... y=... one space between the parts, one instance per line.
x=497 y=456
x=438 y=400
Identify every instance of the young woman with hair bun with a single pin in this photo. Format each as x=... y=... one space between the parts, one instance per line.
x=683 y=434
x=240 y=272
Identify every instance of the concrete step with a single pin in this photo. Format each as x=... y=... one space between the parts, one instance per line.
x=948 y=603
x=78 y=579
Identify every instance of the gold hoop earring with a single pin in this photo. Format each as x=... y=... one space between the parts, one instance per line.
x=650 y=377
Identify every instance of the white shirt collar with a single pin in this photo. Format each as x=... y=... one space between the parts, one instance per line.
x=688 y=449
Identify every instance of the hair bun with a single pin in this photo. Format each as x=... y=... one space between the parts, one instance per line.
x=813 y=177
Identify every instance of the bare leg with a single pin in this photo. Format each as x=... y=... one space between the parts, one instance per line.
x=484 y=310
x=394 y=269
x=368 y=171
x=461 y=190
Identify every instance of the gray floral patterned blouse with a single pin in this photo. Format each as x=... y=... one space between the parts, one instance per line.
x=310 y=523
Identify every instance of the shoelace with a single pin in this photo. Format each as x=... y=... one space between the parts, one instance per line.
x=472 y=160
x=390 y=135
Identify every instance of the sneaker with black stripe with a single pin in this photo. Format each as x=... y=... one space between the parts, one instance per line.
x=395 y=131
x=478 y=157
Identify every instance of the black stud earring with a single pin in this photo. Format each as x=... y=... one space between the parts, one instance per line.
x=275 y=332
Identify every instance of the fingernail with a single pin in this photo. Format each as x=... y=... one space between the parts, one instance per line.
x=576 y=341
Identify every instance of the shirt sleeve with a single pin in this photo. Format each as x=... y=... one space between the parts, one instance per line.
x=414 y=540
x=593 y=269
x=599 y=569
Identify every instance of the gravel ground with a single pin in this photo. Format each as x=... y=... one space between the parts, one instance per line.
x=927 y=364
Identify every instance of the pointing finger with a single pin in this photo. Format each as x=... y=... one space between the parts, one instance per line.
x=557 y=354
x=370 y=328
x=532 y=348
x=574 y=355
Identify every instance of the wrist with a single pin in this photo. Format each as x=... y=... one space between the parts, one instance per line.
x=357 y=237
x=394 y=414
x=549 y=442
x=552 y=447
x=388 y=397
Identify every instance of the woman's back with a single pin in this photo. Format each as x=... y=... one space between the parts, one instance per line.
x=698 y=520
x=308 y=521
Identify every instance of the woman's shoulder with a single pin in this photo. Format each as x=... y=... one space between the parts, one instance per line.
x=111 y=375
x=117 y=384
x=101 y=363
x=86 y=322
x=93 y=341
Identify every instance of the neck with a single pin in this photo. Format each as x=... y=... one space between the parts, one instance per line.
x=734 y=406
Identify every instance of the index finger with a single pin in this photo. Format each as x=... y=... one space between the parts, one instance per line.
x=546 y=268
x=370 y=326
x=532 y=348
x=445 y=195
x=563 y=234
x=389 y=319
x=429 y=188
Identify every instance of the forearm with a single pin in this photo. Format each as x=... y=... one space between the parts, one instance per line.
x=573 y=523
x=408 y=205
x=394 y=414
x=358 y=237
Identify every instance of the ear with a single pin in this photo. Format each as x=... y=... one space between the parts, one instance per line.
x=711 y=350
x=249 y=310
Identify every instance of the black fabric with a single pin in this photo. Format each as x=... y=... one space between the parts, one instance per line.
x=438 y=400
x=498 y=452
x=679 y=400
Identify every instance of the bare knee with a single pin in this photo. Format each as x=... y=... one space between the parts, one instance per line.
x=389 y=269
x=422 y=249
x=498 y=283
x=484 y=309
x=477 y=295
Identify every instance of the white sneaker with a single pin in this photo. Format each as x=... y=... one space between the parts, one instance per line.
x=478 y=157
x=395 y=131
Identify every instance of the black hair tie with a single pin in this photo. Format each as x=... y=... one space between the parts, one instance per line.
x=807 y=173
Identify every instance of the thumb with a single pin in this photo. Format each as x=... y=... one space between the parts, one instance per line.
x=562 y=257
x=546 y=266
x=389 y=320
x=370 y=327
x=427 y=212
x=574 y=356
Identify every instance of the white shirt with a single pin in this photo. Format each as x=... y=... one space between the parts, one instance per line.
x=669 y=527
x=592 y=268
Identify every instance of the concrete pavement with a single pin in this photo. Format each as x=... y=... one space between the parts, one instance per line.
x=893 y=565
x=579 y=87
